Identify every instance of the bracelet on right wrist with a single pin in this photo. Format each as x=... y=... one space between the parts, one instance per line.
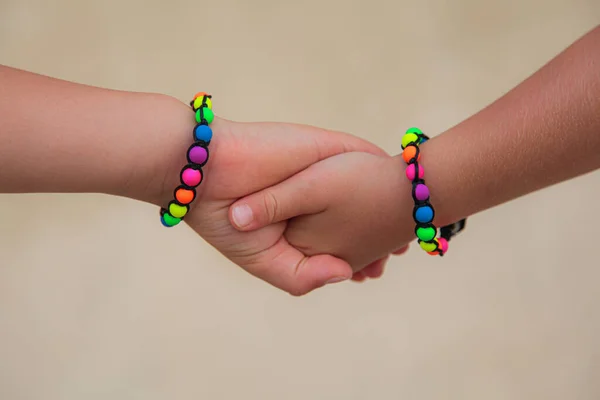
x=423 y=211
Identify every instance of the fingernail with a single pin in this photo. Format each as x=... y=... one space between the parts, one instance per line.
x=337 y=279
x=242 y=215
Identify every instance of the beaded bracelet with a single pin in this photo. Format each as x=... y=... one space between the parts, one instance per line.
x=423 y=212
x=197 y=156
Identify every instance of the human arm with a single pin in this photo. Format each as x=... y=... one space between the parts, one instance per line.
x=59 y=136
x=358 y=207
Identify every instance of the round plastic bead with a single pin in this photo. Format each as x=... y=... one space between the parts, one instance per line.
x=428 y=246
x=408 y=139
x=410 y=172
x=177 y=211
x=414 y=130
x=168 y=220
x=443 y=244
x=191 y=177
x=409 y=153
x=205 y=112
x=203 y=133
x=202 y=101
x=421 y=192
x=184 y=196
x=426 y=234
x=198 y=155
x=424 y=214
x=200 y=94
x=209 y=116
x=162 y=221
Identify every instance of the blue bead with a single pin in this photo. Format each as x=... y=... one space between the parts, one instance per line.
x=424 y=214
x=162 y=221
x=203 y=132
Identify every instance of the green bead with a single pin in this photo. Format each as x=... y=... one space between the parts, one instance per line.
x=205 y=112
x=209 y=116
x=408 y=139
x=426 y=234
x=170 y=220
x=414 y=130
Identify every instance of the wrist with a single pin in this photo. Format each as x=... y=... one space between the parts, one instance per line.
x=176 y=136
x=443 y=173
x=446 y=196
x=400 y=206
x=159 y=129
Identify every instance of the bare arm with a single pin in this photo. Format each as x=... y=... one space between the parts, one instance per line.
x=59 y=136
x=544 y=131
x=358 y=207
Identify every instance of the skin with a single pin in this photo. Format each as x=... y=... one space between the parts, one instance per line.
x=58 y=136
x=358 y=207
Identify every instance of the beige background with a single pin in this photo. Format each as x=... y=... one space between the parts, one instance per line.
x=96 y=304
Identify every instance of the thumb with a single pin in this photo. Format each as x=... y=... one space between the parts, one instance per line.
x=299 y=195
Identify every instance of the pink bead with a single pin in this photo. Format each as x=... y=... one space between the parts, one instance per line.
x=443 y=244
x=191 y=177
x=410 y=172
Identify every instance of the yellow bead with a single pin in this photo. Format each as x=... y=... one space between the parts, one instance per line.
x=409 y=138
x=429 y=247
x=177 y=211
x=198 y=102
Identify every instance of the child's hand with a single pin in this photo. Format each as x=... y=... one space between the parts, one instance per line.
x=244 y=159
x=355 y=206
x=375 y=269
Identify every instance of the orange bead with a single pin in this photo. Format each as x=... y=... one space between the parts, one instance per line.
x=409 y=153
x=184 y=196
x=199 y=94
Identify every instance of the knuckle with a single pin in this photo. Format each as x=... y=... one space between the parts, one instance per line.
x=272 y=206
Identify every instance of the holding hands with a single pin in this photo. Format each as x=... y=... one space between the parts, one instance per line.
x=290 y=170
x=298 y=206
x=354 y=206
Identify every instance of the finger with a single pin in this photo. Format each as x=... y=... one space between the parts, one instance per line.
x=358 y=277
x=328 y=142
x=375 y=269
x=278 y=151
x=286 y=268
x=295 y=196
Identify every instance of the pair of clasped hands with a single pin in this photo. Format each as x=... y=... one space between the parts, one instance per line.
x=302 y=207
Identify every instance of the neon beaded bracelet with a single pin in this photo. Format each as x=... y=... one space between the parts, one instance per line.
x=423 y=211
x=197 y=156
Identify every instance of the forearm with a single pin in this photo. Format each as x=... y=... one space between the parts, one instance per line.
x=58 y=136
x=543 y=132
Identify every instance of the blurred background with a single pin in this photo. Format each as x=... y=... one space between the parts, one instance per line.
x=95 y=302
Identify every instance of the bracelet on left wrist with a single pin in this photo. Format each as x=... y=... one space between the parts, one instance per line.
x=431 y=239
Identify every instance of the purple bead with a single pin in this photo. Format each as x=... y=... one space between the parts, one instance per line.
x=198 y=155
x=421 y=192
